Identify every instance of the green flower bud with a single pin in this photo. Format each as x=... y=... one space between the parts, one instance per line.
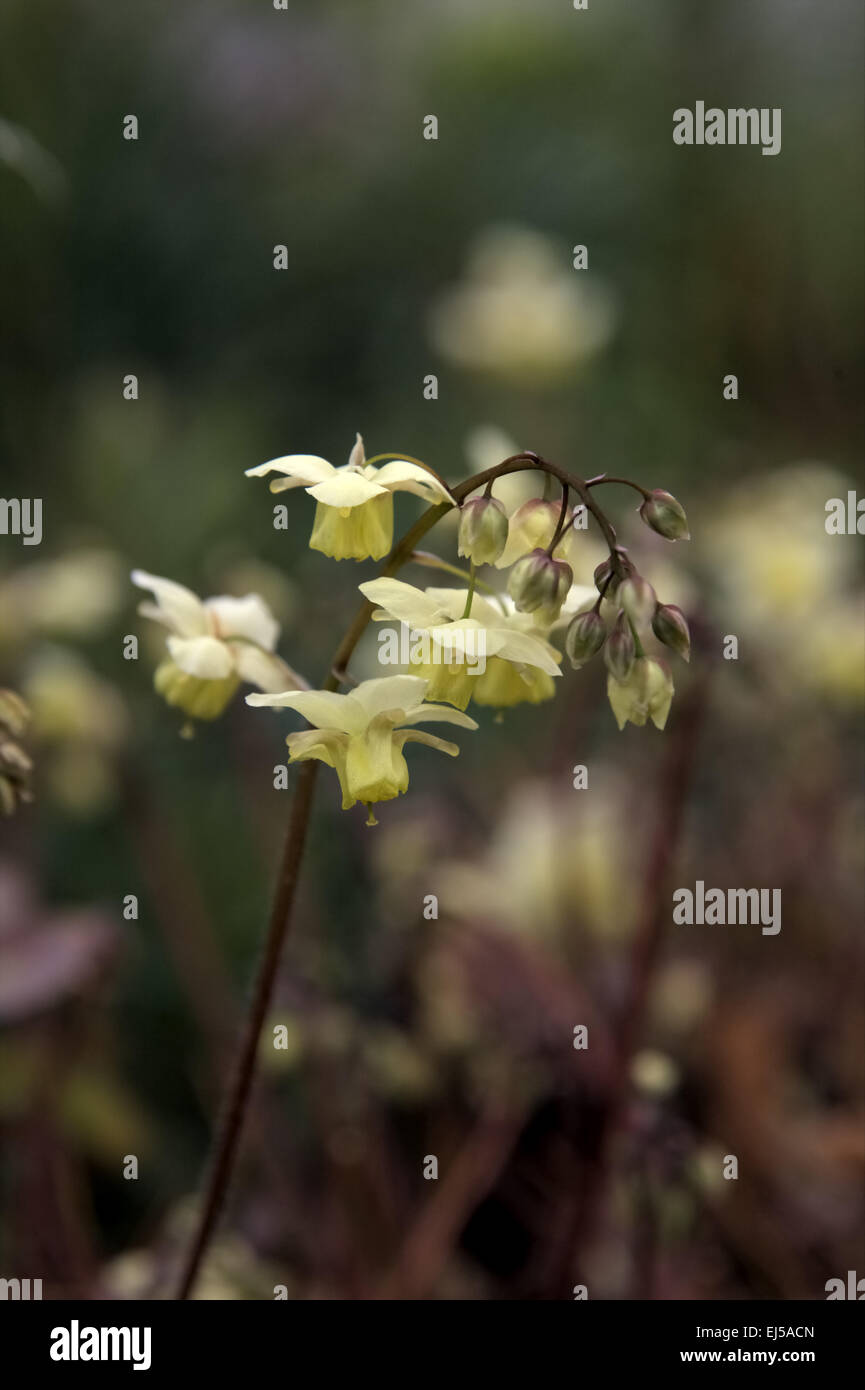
x=483 y=530
x=620 y=651
x=585 y=636
x=606 y=579
x=639 y=600
x=670 y=627
x=203 y=699
x=665 y=515
x=538 y=581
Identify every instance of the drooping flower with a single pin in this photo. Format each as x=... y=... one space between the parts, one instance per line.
x=213 y=646
x=647 y=693
x=362 y=734
x=354 y=503
x=494 y=656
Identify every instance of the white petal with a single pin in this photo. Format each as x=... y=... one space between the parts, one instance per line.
x=345 y=488
x=402 y=476
x=247 y=617
x=180 y=608
x=264 y=670
x=403 y=602
x=205 y=657
x=389 y=692
x=323 y=708
x=466 y=639
x=453 y=602
x=531 y=651
x=306 y=468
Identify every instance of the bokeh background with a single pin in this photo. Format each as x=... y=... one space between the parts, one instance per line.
x=452 y=1037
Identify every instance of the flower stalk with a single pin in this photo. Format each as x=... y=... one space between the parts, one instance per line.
x=230 y=1127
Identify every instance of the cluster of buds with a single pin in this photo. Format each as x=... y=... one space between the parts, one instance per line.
x=15 y=765
x=639 y=687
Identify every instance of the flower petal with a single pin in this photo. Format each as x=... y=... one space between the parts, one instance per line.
x=265 y=670
x=323 y=708
x=304 y=468
x=403 y=602
x=179 y=608
x=420 y=736
x=247 y=617
x=402 y=476
x=345 y=488
x=389 y=693
x=204 y=657
x=437 y=714
x=521 y=646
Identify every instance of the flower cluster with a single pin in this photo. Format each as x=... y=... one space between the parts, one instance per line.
x=495 y=648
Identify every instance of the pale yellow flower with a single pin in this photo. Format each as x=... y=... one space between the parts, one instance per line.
x=354 y=503
x=522 y=313
x=361 y=735
x=465 y=658
x=213 y=646
x=647 y=693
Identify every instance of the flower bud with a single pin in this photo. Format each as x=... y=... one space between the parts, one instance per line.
x=620 y=650
x=483 y=530
x=665 y=515
x=606 y=579
x=585 y=636
x=639 y=600
x=671 y=628
x=538 y=581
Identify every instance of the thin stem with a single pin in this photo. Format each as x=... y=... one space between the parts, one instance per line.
x=471 y=593
x=240 y=1085
x=626 y=482
x=561 y=525
x=434 y=562
x=231 y=1124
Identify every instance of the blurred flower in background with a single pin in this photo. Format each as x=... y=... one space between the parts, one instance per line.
x=520 y=313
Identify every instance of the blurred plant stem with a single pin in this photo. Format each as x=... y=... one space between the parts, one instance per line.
x=237 y=1097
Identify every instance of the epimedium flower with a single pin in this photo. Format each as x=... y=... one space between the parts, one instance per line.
x=646 y=693
x=213 y=645
x=361 y=734
x=490 y=656
x=354 y=503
